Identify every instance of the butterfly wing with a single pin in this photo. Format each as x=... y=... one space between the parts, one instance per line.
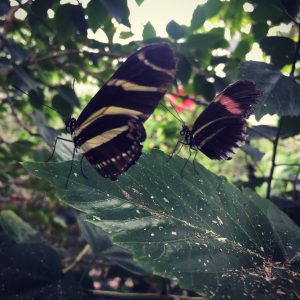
x=221 y=128
x=110 y=128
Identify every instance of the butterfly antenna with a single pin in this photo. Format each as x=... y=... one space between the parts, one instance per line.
x=178 y=118
x=19 y=89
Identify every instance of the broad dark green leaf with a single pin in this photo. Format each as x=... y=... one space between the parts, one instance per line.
x=268 y=11
x=23 y=79
x=60 y=104
x=212 y=7
x=184 y=69
x=281 y=49
x=118 y=10
x=36 y=98
x=204 y=87
x=290 y=126
x=149 y=31
x=197 y=229
x=68 y=94
x=281 y=94
x=16 y=228
x=139 y=2
x=78 y=18
x=33 y=271
x=198 y=18
x=175 y=30
x=98 y=16
x=65 y=26
x=102 y=246
x=260 y=30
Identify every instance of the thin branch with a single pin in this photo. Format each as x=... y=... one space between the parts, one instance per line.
x=275 y=144
x=296 y=54
x=145 y=296
x=287 y=164
x=78 y=258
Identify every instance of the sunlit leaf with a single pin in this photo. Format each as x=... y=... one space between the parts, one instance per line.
x=149 y=31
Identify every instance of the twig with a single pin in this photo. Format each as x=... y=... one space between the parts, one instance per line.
x=145 y=296
x=275 y=144
x=82 y=253
x=295 y=182
x=287 y=164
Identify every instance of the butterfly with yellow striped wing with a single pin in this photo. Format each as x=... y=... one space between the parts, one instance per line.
x=110 y=128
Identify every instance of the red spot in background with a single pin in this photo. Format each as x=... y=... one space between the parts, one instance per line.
x=179 y=104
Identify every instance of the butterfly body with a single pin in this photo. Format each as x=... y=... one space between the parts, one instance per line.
x=110 y=128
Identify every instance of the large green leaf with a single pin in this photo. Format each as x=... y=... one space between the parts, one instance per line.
x=198 y=17
x=175 y=30
x=197 y=229
x=281 y=94
x=149 y=31
x=118 y=9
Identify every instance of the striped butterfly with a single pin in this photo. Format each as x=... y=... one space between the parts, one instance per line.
x=110 y=128
x=221 y=128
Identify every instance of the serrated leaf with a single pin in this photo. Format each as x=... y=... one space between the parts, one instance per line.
x=281 y=49
x=149 y=31
x=16 y=228
x=184 y=69
x=175 y=31
x=198 y=17
x=281 y=94
x=118 y=9
x=198 y=229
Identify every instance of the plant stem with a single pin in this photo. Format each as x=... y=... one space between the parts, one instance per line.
x=275 y=144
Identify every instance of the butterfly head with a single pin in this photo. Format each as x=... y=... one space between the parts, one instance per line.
x=70 y=125
x=186 y=133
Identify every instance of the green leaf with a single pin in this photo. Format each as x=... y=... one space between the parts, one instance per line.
x=16 y=228
x=97 y=15
x=64 y=108
x=260 y=30
x=242 y=49
x=175 y=31
x=290 y=126
x=198 y=229
x=184 y=69
x=118 y=10
x=78 y=18
x=281 y=49
x=198 y=18
x=268 y=11
x=149 y=31
x=65 y=27
x=68 y=93
x=139 y=2
x=281 y=94
x=102 y=246
x=212 y=7
x=36 y=98
x=204 y=87
x=23 y=79
x=126 y=34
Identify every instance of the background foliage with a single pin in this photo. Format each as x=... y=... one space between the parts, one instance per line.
x=46 y=52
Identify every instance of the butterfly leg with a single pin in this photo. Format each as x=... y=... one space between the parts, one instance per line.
x=190 y=154
x=194 y=165
x=181 y=143
x=81 y=168
x=71 y=168
x=54 y=147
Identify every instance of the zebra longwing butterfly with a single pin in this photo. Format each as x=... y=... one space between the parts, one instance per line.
x=221 y=128
x=110 y=128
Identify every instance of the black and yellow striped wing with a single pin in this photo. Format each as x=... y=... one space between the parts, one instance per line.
x=110 y=128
